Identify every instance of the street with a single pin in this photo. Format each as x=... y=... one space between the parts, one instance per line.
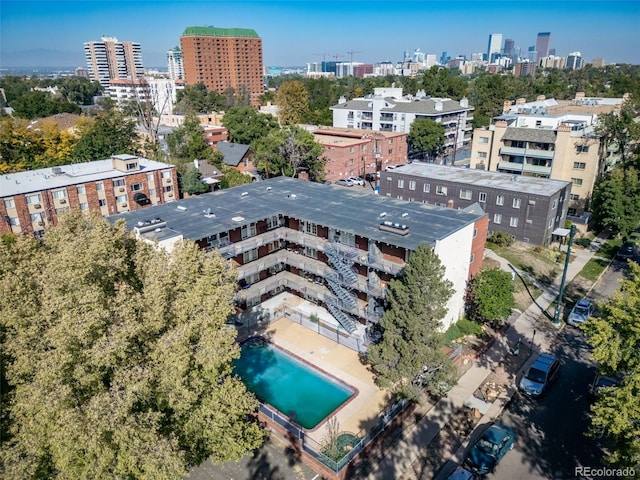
x=551 y=439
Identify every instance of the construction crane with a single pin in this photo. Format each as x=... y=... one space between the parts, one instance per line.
x=352 y=53
x=336 y=57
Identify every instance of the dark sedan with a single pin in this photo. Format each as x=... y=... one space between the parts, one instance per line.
x=494 y=443
x=627 y=251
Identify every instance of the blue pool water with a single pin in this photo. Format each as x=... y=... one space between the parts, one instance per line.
x=299 y=391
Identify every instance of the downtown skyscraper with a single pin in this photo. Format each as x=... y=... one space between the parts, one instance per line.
x=110 y=59
x=543 y=42
x=494 y=47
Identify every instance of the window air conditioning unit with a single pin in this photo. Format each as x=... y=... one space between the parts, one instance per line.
x=121 y=189
x=169 y=194
x=37 y=206
x=123 y=205
x=62 y=200
x=41 y=224
x=167 y=180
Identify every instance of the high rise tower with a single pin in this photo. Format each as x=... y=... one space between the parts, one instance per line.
x=509 y=47
x=110 y=59
x=224 y=58
x=174 y=63
x=543 y=42
x=495 y=46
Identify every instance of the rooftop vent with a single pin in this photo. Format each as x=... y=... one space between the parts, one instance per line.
x=292 y=195
x=56 y=170
x=237 y=219
x=180 y=207
x=269 y=189
x=404 y=215
x=244 y=194
x=397 y=228
x=383 y=214
x=149 y=225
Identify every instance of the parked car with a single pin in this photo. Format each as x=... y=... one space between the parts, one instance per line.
x=600 y=382
x=356 y=180
x=344 y=182
x=541 y=374
x=487 y=452
x=581 y=311
x=627 y=251
x=461 y=473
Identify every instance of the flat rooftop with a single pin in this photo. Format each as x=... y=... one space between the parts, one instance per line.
x=354 y=210
x=482 y=178
x=73 y=174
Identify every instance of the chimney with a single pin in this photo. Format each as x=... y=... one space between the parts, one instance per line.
x=464 y=102
x=579 y=95
x=507 y=106
x=540 y=98
x=521 y=101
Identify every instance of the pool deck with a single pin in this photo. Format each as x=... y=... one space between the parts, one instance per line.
x=339 y=361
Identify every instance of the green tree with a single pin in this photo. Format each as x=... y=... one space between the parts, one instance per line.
x=118 y=356
x=233 y=178
x=246 y=124
x=111 y=133
x=288 y=152
x=194 y=99
x=187 y=143
x=19 y=145
x=80 y=90
x=615 y=338
x=490 y=296
x=292 y=99
x=410 y=352
x=38 y=104
x=616 y=200
x=426 y=138
x=442 y=82
x=190 y=182
x=621 y=129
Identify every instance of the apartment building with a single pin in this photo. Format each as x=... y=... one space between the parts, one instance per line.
x=335 y=247
x=110 y=59
x=387 y=110
x=529 y=209
x=31 y=201
x=351 y=152
x=224 y=58
x=547 y=139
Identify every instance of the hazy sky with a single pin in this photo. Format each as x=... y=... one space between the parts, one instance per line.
x=295 y=32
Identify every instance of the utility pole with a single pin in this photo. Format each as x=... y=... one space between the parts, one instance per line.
x=556 y=317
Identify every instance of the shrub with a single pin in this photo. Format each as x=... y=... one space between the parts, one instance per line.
x=461 y=328
x=583 y=242
x=502 y=239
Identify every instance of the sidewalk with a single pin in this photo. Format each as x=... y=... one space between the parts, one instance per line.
x=539 y=335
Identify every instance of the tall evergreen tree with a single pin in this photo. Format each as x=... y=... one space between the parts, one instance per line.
x=410 y=353
x=118 y=357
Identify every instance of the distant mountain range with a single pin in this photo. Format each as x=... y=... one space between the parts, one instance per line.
x=41 y=57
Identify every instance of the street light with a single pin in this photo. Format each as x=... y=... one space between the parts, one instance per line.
x=556 y=317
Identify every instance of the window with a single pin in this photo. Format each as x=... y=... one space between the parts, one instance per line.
x=391 y=151
x=482 y=197
x=412 y=185
x=33 y=199
x=14 y=221
x=554 y=204
x=579 y=165
x=351 y=150
x=483 y=140
x=9 y=203
x=311 y=228
x=582 y=148
x=149 y=177
x=440 y=190
x=59 y=194
x=136 y=187
x=152 y=192
x=513 y=222
x=84 y=207
x=272 y=222
x=60 y=211
x=250 y=256
x=426 y=188
x=574 y=197
x=119 y=182
x=80 y=190
x=102 y=202
x=466 y=194
x=482 y=154
x=500 y=200
x=166 y=174
x=550 y=222
x=99 y=186
x=36 y=217
x=248 y=230
x=121 y=199
x=132 y=166
x=497 y=218
x=471 y=258
x=400 y=183
x=391 y=141
x=167 y=189
x=517 y=202
x=576 y=181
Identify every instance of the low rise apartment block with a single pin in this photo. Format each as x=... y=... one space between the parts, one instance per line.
x=352 y=152
x=530 y=209
x=30 y=201
x=334 y=247
x=548 y=139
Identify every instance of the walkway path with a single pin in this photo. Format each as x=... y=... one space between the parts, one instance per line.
x=528 y=327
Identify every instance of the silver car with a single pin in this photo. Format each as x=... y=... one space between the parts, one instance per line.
x=581 y=312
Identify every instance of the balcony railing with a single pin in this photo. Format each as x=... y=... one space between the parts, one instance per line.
x=523 y=168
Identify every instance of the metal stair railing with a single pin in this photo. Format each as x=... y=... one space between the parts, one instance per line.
x=345 y=296
x=343 y=319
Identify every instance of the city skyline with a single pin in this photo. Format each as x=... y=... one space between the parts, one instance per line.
x=53 y=33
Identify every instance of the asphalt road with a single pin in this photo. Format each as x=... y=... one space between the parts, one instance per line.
x=551 y=440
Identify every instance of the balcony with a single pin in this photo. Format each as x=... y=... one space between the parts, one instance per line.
x=512 y=167
x=527 y=152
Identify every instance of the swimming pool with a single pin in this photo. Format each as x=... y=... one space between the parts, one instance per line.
x=303 y=393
